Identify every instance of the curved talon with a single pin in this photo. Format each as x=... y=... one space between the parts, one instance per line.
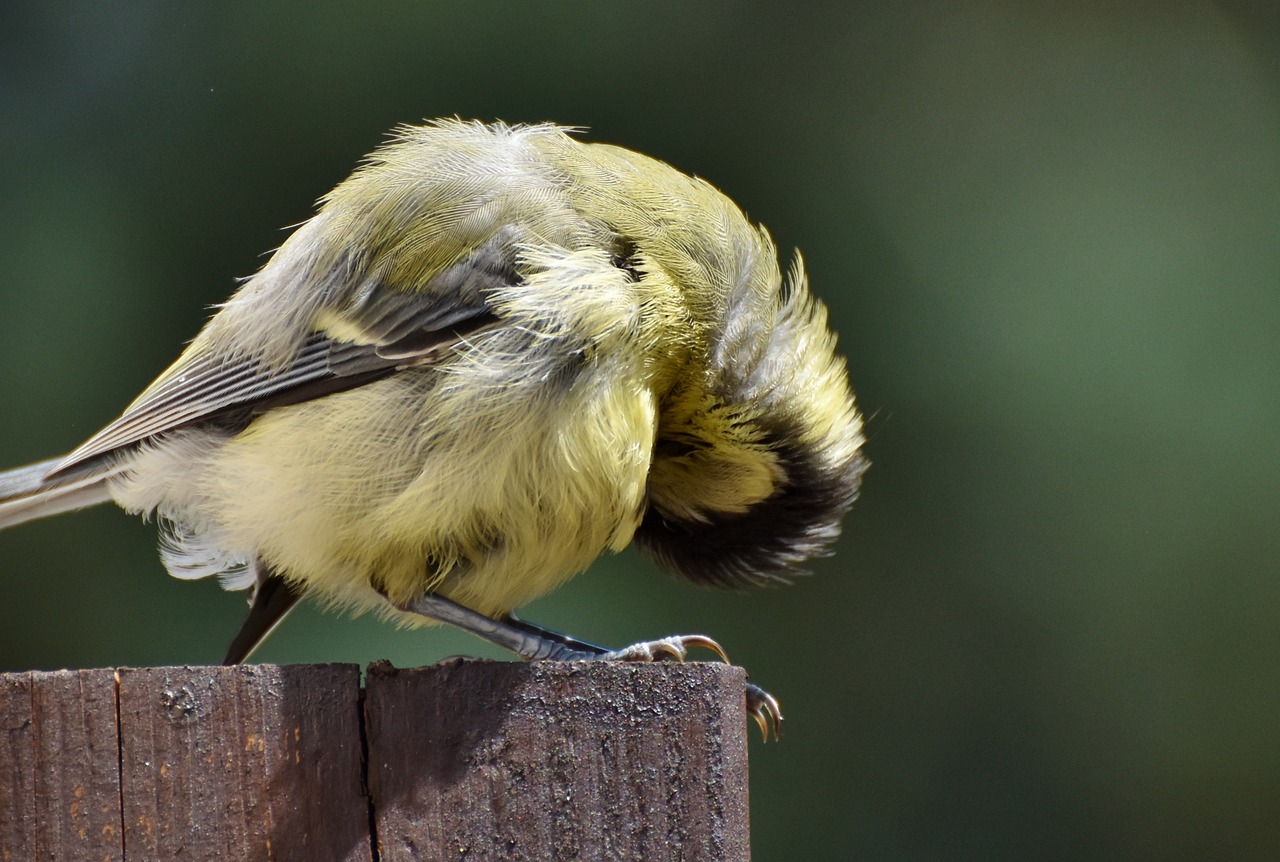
x=765 y=709
x=707 y=644
x=672 y=648
x=675 y=648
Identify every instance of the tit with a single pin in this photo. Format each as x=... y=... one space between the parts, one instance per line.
x=493 y=354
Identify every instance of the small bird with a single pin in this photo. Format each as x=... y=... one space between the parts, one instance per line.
x=493 y=354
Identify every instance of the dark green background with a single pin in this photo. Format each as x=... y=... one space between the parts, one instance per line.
x=1048 y=240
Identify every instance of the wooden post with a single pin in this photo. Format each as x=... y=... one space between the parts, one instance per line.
x=465 y=760
x=59 y=766
x=243 y=763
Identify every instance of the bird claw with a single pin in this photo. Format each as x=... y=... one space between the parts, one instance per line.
x=675 y=648
x=765 y=709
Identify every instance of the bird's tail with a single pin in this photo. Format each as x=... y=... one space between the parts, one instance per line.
x=28 y=492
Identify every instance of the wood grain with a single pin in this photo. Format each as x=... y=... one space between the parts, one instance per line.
x=245 y=763
x=60 y=767
x=558 y=761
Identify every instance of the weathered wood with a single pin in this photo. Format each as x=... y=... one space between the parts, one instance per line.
x=249 y=762
x=558 y=761
x=18 y=824
x=60 y=767
x=464 y=760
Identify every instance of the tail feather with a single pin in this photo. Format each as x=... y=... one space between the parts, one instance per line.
x=26 y=493
x=273 y=598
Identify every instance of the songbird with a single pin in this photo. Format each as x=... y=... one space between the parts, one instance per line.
x=493 y=354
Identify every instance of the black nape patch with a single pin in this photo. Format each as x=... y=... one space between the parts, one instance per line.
x=765 y=544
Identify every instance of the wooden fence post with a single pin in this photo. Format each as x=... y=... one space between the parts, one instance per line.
x=465 y=760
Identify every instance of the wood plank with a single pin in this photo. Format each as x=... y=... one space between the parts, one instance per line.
x=62 y=798
x=77 y=750
x=558 y=761
x=243 y=763
x=17 y=769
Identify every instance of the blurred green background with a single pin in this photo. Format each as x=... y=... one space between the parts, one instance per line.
x=1048 y=238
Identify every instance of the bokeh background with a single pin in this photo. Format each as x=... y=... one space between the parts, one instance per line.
x=1047 y=234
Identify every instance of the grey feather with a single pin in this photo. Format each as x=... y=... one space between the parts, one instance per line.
x=27 y=493
x=403 y=328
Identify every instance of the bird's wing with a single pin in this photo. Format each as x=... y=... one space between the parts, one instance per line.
x=381 y=330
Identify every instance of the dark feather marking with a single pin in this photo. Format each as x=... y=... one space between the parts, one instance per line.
x=763 y=545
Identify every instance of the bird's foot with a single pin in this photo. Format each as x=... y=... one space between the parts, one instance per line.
x=675 y=647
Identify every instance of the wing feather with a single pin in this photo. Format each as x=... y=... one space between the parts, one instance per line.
x=384 y=330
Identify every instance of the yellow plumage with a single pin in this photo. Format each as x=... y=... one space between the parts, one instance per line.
x=493 y=354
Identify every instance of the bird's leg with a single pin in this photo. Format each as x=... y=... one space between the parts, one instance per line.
x=585 y=647
x=538 y=644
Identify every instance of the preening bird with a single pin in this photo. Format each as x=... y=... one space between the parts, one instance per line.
x=493 y=354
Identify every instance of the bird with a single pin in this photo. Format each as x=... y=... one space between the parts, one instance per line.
x=495 y=353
